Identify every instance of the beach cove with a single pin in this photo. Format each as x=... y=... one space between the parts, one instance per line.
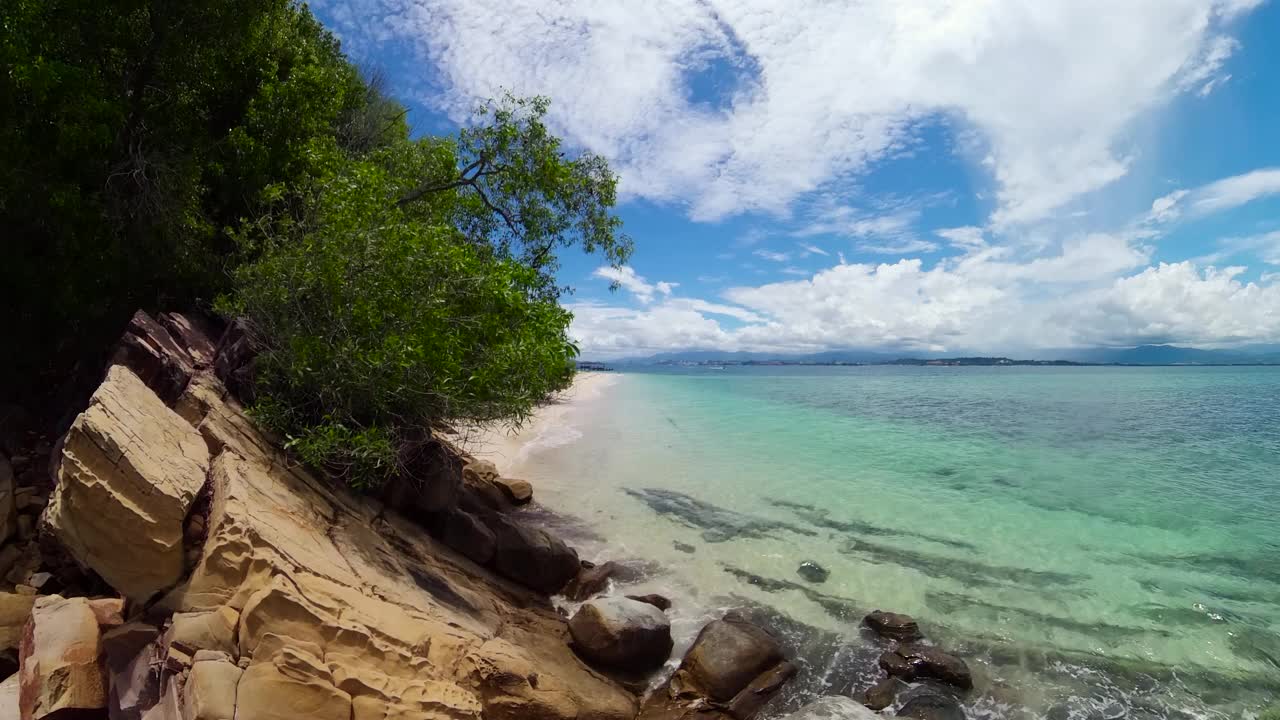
x=1090 y=558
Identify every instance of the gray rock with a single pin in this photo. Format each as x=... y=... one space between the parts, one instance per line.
x=883 y=693
x=915 y=661
x=621 y=633
x=727 y=655
x=530 y=556
x=926 y=703
x=834 y=707
x=466 y=534
x=813 y=572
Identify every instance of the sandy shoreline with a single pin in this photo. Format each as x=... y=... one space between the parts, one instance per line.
x=510 y=449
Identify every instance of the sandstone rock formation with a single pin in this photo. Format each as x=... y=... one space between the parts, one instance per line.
x=272 y=594
x=129 y=472
x=622 y=633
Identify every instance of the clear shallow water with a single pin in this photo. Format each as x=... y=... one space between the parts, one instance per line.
x=1098 y=541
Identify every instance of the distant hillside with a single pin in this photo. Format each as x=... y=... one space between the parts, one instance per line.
x=1141 y=355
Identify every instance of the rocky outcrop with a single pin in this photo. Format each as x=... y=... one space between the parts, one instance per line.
x=833 y=707
x=621 y=633
x=271 y=594
x=915 y=661
x=129 y=473
x=517 y=492
x=894 y=626
x=731 y=671
x=59 y=672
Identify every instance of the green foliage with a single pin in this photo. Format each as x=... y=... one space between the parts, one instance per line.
x=136 y=132
x=376 y=323
x=518 y=192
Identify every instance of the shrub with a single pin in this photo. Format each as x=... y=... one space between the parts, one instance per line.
x=376 y=324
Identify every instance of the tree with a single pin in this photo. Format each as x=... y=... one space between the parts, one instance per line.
x=517 y=192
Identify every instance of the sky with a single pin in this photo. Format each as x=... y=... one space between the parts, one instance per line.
x=985 y=176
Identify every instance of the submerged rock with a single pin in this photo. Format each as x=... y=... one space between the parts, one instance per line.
x=813 y=572
x=927 y=703
x=622 y=633
x=834 y=707
x=684 y=547
x=653 y=599
x=894 y=626
x=882 y=694
x=913 y=660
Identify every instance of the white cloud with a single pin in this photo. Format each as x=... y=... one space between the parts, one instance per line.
x=812 y=249
x=815 y=91
x=905 y=246
x=1217 y=196
x=1264 y=246
x=964 y=238
x=626 y=278
x=772 y=256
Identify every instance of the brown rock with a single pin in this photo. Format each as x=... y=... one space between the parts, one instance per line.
x=192 y=334
x=591 y=580
x=15 y=611
x=109 y=612
x=129 y=471
x=465 y=533
x=894 y=626
x=532 y=557
x=653 y=599
x=154 y=356
x=913 y=661
x=233 y=360
x=760 y=691
x=883 y=693
x=215 y=630
x=517 y=492
x=726 y=656
x=59 y=658
x=621 y=633
x=289 y=684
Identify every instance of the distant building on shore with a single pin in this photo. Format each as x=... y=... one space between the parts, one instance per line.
x=597 y=366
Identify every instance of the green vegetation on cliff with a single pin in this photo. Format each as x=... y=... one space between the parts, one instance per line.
x=164 y=156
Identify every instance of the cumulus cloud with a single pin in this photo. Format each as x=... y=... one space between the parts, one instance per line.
x=626 y=278
x=812 y=91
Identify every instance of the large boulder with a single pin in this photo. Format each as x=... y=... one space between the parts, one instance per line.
x=466 y=534
x=833 y=707
x=210 y=690
x=59 y=672
x=726 y=656
x=732 y=671
x=914 y=661
x=9 y=702
x=531 y=556
x=621 y=633
x=517 y=492
x=894 y=626
x=129 y=472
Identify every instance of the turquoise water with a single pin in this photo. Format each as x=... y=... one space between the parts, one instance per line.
x=1096 y=540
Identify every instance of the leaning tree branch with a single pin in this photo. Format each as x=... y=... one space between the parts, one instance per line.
x=470 y=177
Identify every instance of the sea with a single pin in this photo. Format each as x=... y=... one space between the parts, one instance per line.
x=1097 y=542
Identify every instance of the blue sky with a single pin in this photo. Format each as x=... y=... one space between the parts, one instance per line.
x=994 y=176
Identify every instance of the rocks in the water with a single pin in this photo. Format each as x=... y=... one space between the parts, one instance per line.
x=683 y=547
x=813 y=572
x=726 y=656
x=883 y=693
x=894 y=626
x=621 y=633
x=833 y=707
x=928 y=703
x=653 y=599
x=591 y=580
x=732 y=665
x=59 y=672
x=912 y=661
x=531 y=556
x=129 y=472
x=517 y=492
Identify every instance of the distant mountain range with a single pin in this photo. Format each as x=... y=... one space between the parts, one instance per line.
x=1141 y=355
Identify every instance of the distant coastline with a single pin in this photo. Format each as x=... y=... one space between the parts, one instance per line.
x=936 y=362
